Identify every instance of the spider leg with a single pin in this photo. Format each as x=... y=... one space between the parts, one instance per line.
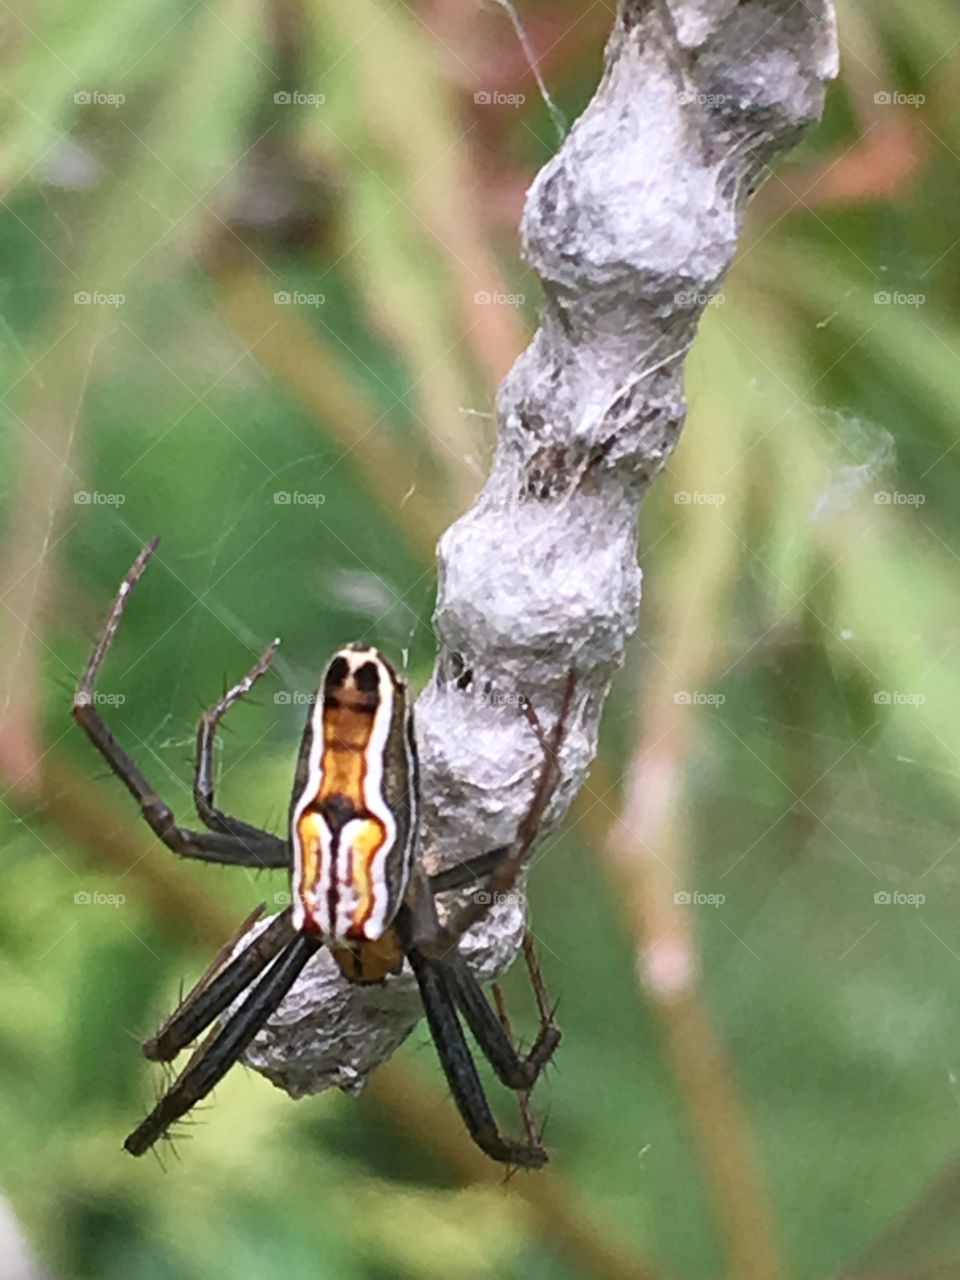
x=547 y=1014
x=544 y=1007
x=505 y=875
x=491 y=1035
x=469 y=872
x=218 y=1053
x=461 y=1071
x=209 y=814
x=534 y=1134
x=264 y=851
x=219 y=987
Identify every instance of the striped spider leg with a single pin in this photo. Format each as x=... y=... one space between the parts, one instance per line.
x=357 y=887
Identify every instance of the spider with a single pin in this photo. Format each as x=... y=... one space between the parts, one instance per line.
x=357 y=886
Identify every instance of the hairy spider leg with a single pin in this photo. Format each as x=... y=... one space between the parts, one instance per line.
x=211 y=971
x=259 y=850
x=443 y=985
x=466 y=873
x=512 y=1070
x=226 y=978
x=504 y=876
x=447 y=983
x=203 y=774
x=215 y=1058
x=460 y=1069
x=547 y=1014
x=212 y=994
x=531 y=1128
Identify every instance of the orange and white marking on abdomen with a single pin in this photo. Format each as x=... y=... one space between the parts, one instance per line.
x=342 y=829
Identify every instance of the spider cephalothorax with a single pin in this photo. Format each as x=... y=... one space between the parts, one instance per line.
x=357 y=886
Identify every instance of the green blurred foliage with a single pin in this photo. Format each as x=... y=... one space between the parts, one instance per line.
x=786 y=585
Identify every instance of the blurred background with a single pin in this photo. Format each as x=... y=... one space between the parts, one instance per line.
x=260 y=279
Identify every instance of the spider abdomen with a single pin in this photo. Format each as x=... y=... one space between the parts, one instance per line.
x=353 y=818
